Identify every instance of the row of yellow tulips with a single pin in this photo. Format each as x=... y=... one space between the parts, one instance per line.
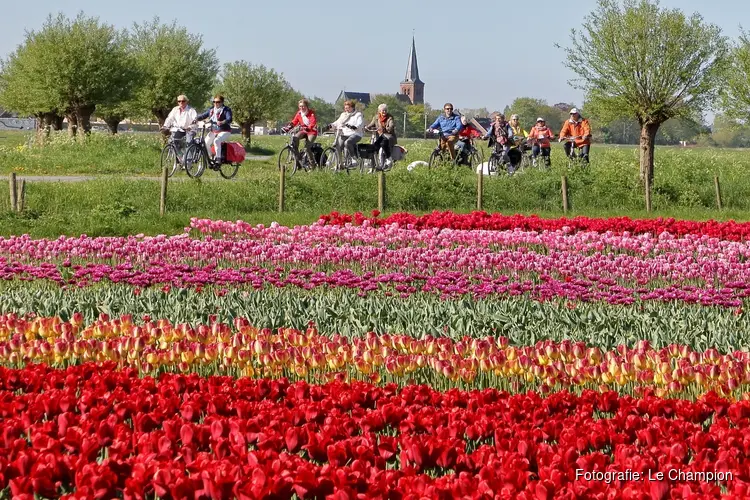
x=245 y=350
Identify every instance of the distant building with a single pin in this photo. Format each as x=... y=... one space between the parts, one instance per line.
x=411 y=88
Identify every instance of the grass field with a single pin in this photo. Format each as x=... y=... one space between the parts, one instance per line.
x=118 y=204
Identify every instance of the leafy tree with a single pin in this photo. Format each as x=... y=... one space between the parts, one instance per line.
x=324 y=110
x=529 y=109
x=253 y=92
x=68 y=68
x=735 y=93
x=113 y=115
x=172 y=61
x=650 y=63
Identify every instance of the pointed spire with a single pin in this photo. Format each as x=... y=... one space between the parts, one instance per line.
x=412 y=70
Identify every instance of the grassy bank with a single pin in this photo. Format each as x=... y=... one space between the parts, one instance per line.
x=118 y=204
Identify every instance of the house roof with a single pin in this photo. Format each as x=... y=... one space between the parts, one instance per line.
x=363 y=97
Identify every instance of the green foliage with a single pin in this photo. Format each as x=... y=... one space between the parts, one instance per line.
x=735 y=90
x=529 y=109
x=522 y=320
x=646 y=62
x=172 y=61
x=254 y=93
x=69 y=66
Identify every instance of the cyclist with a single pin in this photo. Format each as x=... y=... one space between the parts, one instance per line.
x=182 y=116
x=449 y=125
x=385 y=126
x=540 y=135
x=307 y=122
x=519 y=134
x=220 y=117
x=350 y=123
x=578 y=127
x=465 y=136
x=500 y=135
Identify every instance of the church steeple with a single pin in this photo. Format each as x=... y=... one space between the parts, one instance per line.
x=412 y=87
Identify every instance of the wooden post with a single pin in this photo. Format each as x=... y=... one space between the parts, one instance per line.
x=480 y=187
x=648 y=193
x=565 y=194
x=381 y=190
x=163 y=194
x=718 y=191
x=22 y=196
x=13 y=192
x=282 y=186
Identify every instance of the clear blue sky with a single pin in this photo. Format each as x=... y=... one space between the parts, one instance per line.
x=324 y=47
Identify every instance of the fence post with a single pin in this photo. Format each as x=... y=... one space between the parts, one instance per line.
x=13 y=192
x=282 y=186
x=480 y=187
x=163 y=193
x=648 y=193
x=565 y=194
x=718 y=191
x=21 y=202
x=381 y=190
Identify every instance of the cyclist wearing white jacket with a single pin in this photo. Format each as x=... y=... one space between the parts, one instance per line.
x=351 y=124
x=181 y=116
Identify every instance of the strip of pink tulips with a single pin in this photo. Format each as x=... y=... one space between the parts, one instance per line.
x=242 y=349
x=580 y=266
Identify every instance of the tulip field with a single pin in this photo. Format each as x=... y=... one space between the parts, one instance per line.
x=403 y=357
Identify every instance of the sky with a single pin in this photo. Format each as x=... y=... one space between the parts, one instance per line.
x=473 y=55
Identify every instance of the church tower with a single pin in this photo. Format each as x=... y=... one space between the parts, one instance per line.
x=412 y=87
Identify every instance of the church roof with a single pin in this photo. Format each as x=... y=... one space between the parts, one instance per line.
x=363 y=97
x=412 y=69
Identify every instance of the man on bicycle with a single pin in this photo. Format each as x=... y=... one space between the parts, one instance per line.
x=220 y=117
x=577 y=127
x=351 y=125
x=307 y=122
x=182 y=116
x=449 y=125
x=539 y=136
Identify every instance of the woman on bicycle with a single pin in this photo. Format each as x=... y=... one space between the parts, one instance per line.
x=307 y=122
x=465 y=136
x=351 y=125
x=577 y=127
x=220 y=117
x=385 y=126
x=540 y=135
x=500 y=135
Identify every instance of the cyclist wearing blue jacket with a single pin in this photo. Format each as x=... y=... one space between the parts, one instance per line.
x=449 y=124
x=221 y=121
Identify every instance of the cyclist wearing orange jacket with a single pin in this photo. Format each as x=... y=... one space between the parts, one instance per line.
x=577 y=127
x=539 y=136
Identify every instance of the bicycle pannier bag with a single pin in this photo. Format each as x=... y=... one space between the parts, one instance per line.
x=235 y=152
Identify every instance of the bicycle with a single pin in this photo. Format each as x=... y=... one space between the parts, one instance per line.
x=197 y=158
x=370 y=157
x=170 y=153
x=575 y=158
x=534 y=160
x=472 y=155
x=336 y=160
x=441 y=156
x=288 y=157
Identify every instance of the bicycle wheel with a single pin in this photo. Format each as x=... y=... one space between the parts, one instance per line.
x=229 y=170
x=286 y=158
x=330 y=160
x=474 y=159
x=169 y=160
x=436 y=159
x=196 y=161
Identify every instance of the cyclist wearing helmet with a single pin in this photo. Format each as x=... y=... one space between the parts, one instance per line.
x=578 y=127
x=540 y=135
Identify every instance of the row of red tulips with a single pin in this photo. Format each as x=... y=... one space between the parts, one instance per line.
x=729 y=230
x=94 y=432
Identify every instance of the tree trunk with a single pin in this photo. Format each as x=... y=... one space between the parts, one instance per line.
x=72 y=124
x=648 y=138
x=247 y=132
x=113 y=122
x=161 y=115
x=83 y=117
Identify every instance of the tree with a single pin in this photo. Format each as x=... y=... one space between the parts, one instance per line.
x=650 y=63
x=735 y=93
x=172 y=61
x=253 y=92
x=529 y=109
x=68 y=68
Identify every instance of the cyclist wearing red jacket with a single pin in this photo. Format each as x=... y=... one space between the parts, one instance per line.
x=307 y=122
